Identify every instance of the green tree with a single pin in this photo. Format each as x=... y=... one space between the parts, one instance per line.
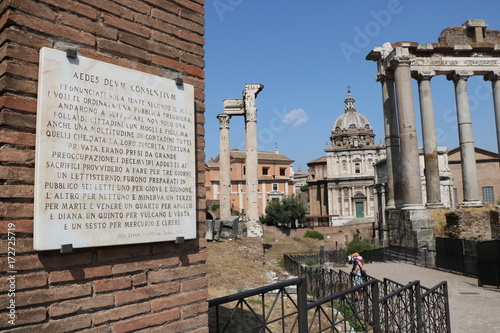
x=285 y=212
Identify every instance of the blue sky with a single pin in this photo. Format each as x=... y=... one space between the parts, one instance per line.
x=306 y=53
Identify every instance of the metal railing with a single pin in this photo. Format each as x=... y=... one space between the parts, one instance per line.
x=373 y=306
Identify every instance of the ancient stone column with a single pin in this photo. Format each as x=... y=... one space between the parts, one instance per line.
x=469 y=172
x=391 y=132
x=224 y=166
x=251 y=163
x=493 y=77
x=431 y=169
x=410 y=169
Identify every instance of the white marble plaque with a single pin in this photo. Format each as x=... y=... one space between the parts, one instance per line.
x=115 y=155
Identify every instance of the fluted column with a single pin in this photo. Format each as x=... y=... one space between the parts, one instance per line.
x=410 y=169
x=224 y=166
x=493 y=77
x=251 y=162
x=431 y=169
x=468 y=156
x=391 y=132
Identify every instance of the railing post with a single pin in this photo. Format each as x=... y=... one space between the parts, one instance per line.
x=418 y=299
x=302 y=304
x=376 y=308
x=447 y=308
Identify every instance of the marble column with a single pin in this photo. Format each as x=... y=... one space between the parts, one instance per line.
x=431 y=169
x=468 y=156
x=385 y=227
x=342 y=202
x=410 y=169
x=494 y=77
x=251 y=161
x=391 y=132
x=224 y=166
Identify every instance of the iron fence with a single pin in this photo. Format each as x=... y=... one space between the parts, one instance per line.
x=373 y=306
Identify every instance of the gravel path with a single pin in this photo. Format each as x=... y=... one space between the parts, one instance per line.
x=472 y=309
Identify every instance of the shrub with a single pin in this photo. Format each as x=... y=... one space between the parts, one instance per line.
x=359 y=246
x=313 y=234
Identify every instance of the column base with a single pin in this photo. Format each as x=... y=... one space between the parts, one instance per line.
x=471 y=203
x=412 y=207
x=434 y=205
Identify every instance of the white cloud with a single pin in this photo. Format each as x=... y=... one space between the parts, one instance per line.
x=297 y=117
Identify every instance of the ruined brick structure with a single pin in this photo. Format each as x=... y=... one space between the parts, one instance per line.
x=160 y=286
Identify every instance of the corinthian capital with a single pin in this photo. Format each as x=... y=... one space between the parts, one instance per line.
x=492 y=76
x=223 y=120
x=461 y=74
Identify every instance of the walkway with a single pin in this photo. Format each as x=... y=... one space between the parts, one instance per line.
x=472 y=309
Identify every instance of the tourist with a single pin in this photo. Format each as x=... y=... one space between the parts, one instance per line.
x=357 y=269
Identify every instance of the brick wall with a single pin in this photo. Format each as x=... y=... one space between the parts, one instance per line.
x=160 y=286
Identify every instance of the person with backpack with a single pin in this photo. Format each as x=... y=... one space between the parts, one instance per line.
x=359 y=271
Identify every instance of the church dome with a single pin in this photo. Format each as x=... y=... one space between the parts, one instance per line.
x=350 y=116
x=351 y=129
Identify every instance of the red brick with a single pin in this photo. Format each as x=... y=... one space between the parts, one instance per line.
x=19 y=226
x=23 y=37
x=123 y=50
x=125 y=25
x=123 y=252
x=111 y=7
x=19 y=138
x=19 y=53
x=195 y=309
x=16 y=68
x=100 y=329
x=169 y=63
x=22 y=245
x=148 y=45
x=120 y=283
x=27 y=281
x=15 y=210
x=193 y=258
x=139 y=280
x=17 y=85
x=177 y=273
x=191 y=59
x=140 y=265
x=57 y=260
x=35 y=9
x=17 y=120
x=169 y=6
x=75 y=7
x=79 y=274
x=156 y=25
x=120 y=313
x=41 y=296
x=53 y=29
x=197 y=324
x=106 y=58
x=15 y=191
x=17 y=156
x=162 y=37
x=27 y=316
x=193 y=16
x=137 y=6
x=192 y=37
x=194 y=284
x=71 y=324
x=138 y=294
x=146 y=321
x=81 y=305
x=178 y=300
x=87 y=25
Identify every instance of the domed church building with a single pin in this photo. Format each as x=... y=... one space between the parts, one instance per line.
x=340 y=183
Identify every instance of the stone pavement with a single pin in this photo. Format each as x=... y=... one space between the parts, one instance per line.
x=473 y=309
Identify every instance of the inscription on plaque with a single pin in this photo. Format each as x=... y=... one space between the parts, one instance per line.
x=115 y=155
